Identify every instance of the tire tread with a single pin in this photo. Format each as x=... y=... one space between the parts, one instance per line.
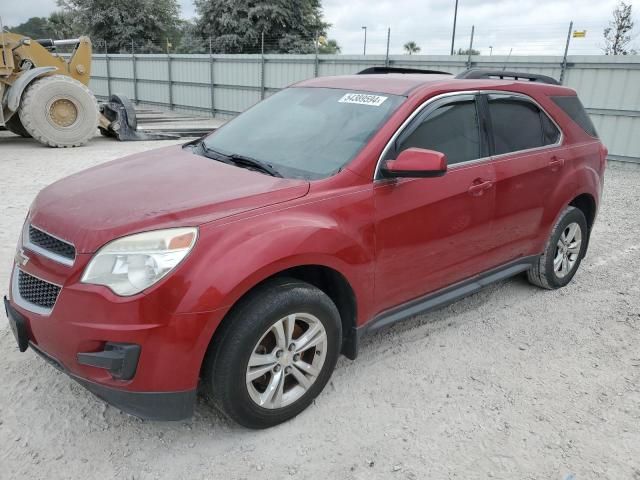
x=26 y=112
x=538 y=274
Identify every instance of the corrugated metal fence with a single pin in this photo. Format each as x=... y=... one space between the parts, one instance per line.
x=225 y=85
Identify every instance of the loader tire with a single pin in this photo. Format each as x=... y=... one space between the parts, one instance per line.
x=14 y=125
x=59 y=111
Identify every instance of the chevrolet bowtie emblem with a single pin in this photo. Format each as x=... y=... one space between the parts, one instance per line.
x=21 y=258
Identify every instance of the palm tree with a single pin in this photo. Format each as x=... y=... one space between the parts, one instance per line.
x=411 y=47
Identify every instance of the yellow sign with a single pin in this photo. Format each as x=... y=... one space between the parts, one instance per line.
x=577 y=34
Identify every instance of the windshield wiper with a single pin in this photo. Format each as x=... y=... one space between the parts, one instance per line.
x=214 y=155
x=238 y=160
x=243 y=161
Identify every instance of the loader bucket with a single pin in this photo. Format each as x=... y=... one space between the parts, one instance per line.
x=121 y=122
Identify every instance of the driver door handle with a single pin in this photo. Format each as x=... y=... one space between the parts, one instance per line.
x=478 y=188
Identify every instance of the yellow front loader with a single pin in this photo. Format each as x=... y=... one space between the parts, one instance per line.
x=45 y=95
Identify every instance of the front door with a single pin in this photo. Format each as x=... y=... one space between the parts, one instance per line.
x=433 y=232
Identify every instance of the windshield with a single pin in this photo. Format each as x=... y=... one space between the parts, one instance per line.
x=306 y=133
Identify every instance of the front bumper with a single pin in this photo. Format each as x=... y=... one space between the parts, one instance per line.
x=164 y=406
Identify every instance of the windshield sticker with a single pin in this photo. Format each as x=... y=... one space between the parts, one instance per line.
x=363 y=99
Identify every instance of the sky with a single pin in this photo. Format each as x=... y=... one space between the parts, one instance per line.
x=522 y=27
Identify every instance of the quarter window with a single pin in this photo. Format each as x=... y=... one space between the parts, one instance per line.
x=572 y=106
x=452 y=129
x=518 y=124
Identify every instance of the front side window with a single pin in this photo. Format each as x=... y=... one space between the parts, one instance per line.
x=452 y=129
x=304 y=132
x=519 y=124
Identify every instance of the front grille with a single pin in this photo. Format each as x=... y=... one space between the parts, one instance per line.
x=50 y=243
x=36 y=291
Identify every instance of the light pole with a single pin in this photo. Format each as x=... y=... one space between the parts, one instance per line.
x=490 y=50
x=453 y=35
x=364 y=52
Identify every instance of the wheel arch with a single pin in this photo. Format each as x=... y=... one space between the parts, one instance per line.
x=16 y=90
x=579 y=188
x=336 y=286
x=587 y=204
x=327 y=279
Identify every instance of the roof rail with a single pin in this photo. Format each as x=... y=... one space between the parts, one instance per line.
x=373 y=70
x=480 y=73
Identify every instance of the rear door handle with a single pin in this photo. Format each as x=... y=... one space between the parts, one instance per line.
x=478 y=188
x=556 y=164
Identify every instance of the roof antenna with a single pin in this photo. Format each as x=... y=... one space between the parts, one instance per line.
x=507 y=60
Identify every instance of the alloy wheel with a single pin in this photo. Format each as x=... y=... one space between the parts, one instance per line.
x=567 y=250
x=286 y=361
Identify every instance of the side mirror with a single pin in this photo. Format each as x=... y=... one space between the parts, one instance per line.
x=416 y=163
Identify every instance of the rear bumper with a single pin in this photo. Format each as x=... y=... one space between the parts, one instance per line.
x=163 y=406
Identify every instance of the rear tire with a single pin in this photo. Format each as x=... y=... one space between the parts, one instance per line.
x=14 y=125
x=59 y=111
x=563 y=253
x=246 y=360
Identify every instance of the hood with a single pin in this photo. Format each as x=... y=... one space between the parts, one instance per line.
x=163 y=188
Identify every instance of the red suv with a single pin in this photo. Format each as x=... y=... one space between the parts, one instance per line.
x=246 y=262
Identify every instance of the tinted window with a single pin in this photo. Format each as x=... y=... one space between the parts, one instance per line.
x=573 y=107
x=451 y=129
x=550 y=133
x=306 y=132
x=519 y=125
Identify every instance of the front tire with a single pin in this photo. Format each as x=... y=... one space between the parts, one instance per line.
x=563 y=252
x=59 y=111
x=274 y=354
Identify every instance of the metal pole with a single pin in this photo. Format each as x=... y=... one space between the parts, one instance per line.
x=364 y=51
x=386 y=60
x=315 y=63
x=262 y=68
x=106 y=56
x=170 y=74
x=507 y=61
x=211 y=85
x=453 y=35
x=135 y=72
x=473 y=27
x=566 y=50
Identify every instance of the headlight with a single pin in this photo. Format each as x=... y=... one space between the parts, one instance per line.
x=131 y=264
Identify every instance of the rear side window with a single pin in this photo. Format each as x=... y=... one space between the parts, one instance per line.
x=452 y=129
x=572 y=106
x=519 y=124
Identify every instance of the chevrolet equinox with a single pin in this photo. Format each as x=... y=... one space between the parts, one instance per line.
x=243 y=264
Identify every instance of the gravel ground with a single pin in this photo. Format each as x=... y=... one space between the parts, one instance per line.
x=513 y=382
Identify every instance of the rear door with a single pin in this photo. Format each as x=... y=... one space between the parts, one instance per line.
x=527 y=158
x=432 y=232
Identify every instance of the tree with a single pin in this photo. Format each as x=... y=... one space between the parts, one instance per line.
x=35 y=27
x=466 y=52
x=187 y=39
x=617 y=35
x=61 y=25
x=411 y=47
x=236 y=26
x=328 y=46
x=150 y=23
